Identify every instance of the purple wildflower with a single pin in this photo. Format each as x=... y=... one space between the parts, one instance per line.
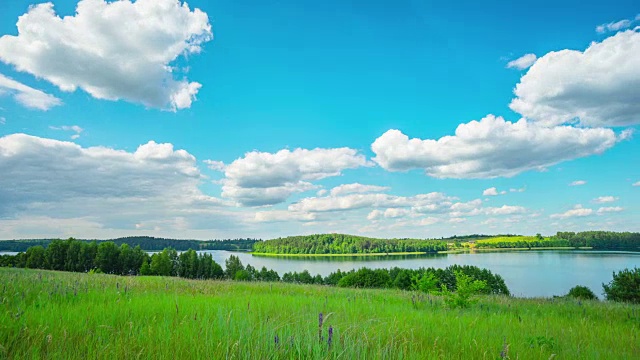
x=320 y=320
x=276 y=340
x=330 y=335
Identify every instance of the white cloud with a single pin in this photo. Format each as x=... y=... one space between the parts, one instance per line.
x=390 y=213
x=613 y=26
x=261 y=178
x=428 y=221
x=577 y=211
x=375 y=215
x=283 y=216
x=610 y=209
x=490 y=148
x=522 y=62
x=156 y=185
x=637 y=183
x=112 y=50
x=214 y=165
x=423 y=203
x=74 y=128
x=490 y=192
x=457 y=220
x=393 y=213
x=592 y=86
x=518 y=190
x=2 y=120
x=604 y=199
x=356 y=188
x=27 y=96
x=577 y=183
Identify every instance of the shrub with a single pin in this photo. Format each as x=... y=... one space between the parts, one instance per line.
x=582 y=293
x=625 y=286
x=466 y=288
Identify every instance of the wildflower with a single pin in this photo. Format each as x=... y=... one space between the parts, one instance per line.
x=276 y=340
x=330 y=335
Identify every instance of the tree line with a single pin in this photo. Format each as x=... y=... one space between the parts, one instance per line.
x=147 y=243
x=423 y=279
x=107 y=257
x=345 y=244
x=602 y=240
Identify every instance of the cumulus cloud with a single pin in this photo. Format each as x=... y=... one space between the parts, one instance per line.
x=637 y=183
x=112 y=50
x=577 y=183
x=261 y=178
x=27 y=96
x=490 y=148
x=604 y=199
x=74 y=128
x=610 y=209
x=155 y=185
x=592 y=87
x=490 y=192
x=522 y=62
x=577 y=211
x=356 y=188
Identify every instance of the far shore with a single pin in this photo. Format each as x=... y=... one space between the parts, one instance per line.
x=456 y=251
x=336 y=255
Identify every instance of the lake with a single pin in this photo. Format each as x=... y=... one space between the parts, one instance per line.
x=541 y=273
x=527 y=273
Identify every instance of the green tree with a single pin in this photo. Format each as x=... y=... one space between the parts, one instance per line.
x=582 y=293
x=624 y=287
x=161 y=263
x=232 y=266
x=35 y=257
x=108 y=258
x=145 y=269
x=57 y=254
x=426 y=282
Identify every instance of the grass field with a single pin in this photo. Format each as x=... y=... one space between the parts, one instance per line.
x=58 y=315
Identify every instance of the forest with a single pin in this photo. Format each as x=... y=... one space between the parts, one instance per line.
x=602 y=240
x=345 y=244
x=147 y=243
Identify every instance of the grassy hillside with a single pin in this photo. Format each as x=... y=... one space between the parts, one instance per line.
x=68 y=315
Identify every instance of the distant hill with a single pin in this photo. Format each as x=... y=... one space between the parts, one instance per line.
x=148 y=243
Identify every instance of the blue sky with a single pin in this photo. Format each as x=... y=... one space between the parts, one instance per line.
x=257 y=110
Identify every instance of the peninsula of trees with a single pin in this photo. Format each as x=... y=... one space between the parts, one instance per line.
x=346 y=244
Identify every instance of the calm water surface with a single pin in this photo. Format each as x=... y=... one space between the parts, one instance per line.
x=526 y=273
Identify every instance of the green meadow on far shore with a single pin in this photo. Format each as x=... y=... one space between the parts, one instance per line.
x=58 y=315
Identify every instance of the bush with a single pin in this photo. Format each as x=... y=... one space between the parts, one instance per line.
x=582 y=293
x=625 y=286
x=466 y=289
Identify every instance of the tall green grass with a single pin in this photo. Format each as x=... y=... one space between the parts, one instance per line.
x=57 y=315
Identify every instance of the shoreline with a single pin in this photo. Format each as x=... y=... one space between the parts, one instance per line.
x=345 y=255
x=455 y=251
